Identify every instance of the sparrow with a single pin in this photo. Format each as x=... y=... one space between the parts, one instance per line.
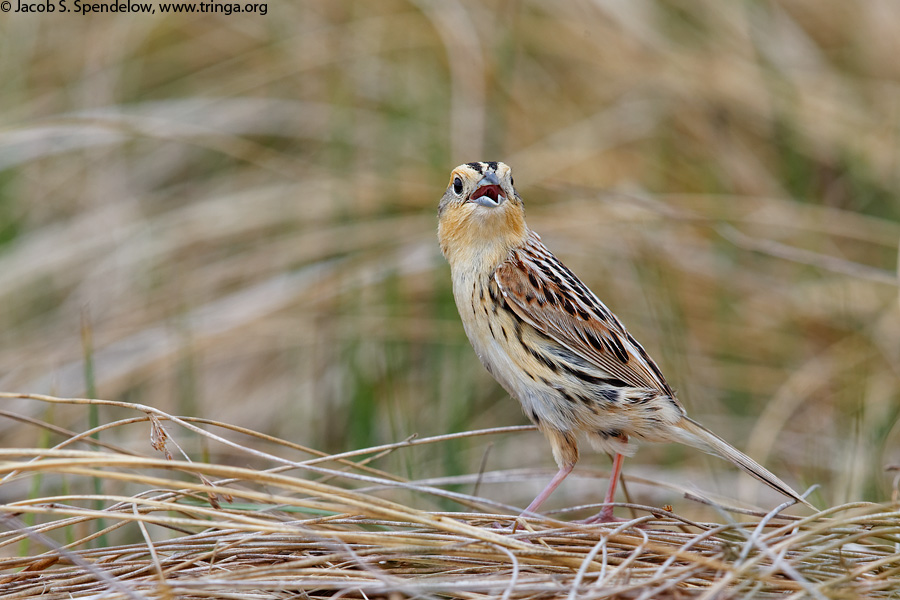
x=552 y=344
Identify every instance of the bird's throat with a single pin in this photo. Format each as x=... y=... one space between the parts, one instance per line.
x=480 y=239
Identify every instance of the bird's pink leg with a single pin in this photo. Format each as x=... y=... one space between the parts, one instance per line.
x=554 y=483
x=606 y=513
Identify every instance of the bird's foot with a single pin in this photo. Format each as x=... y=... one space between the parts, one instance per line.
x=604 y=516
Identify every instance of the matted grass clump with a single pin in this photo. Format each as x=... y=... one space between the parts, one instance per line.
x=93 y=519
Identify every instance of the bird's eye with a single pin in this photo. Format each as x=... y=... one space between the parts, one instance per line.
x=457 y=186
x=512 y=181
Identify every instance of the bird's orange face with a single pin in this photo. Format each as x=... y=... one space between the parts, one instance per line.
x=484 y=184
x=480 y=210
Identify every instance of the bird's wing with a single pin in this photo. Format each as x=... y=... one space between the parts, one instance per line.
x=550 y=298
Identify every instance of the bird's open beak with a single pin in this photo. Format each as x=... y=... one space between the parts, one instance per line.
x=488 y=193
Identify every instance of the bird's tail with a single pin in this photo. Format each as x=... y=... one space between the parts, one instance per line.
x=704 y=439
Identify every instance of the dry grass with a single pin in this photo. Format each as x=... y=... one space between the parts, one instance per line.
x=335 y=526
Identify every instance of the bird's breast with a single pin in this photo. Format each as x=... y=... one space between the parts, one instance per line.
x=501 y=339
x=490 y=327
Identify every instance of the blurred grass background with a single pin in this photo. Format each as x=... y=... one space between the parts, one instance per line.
x=238 y=212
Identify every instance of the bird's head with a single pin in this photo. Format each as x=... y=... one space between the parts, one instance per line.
x=480 y=213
